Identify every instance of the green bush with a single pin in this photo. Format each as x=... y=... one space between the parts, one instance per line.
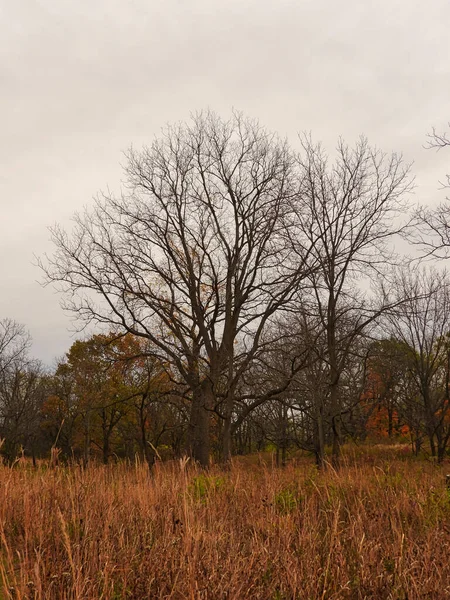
x=203 y=486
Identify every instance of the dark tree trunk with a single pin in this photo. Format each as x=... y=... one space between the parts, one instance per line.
x=226 y=439
x=335 y=425
x=199 y=421
x=320 y=436
x=229 y=406
x=390 y=420
x=432 y=444
x=417 y=445
x=334 y=374
x=87 y=439
x=147 y=452
x=105 y=450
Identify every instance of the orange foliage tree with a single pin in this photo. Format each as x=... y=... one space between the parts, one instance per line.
x=381 y=398
x=111 y=394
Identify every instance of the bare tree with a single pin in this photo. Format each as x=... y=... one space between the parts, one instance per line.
x=438 y=140
x=20 y=389
x=296 y=363
x=431 y=231
x=14 y=343
x=422 y=324
x=349 y=211
x=22 y=393
x=192 y=256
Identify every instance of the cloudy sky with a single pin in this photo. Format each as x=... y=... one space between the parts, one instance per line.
x=81 y=81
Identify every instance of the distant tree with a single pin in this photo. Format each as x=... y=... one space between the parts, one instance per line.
x=15 y=342
x=158 y=406
x=422 y=324
x=101 y=389
x=60 y=413
x=109 y=393
x=388 y=369
x=21 y=391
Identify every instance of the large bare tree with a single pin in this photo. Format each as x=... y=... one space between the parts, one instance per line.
x=192 y=256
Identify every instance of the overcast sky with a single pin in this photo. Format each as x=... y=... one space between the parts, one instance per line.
x=80 y=81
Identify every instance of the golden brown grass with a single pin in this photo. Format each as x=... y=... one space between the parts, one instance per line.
x=379 y=528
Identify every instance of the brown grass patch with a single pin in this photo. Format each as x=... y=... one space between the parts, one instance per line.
x=377 y=530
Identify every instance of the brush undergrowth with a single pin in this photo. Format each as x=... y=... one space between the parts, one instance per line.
x=376 y=529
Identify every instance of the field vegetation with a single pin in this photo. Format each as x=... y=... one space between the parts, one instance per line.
x=379 y=527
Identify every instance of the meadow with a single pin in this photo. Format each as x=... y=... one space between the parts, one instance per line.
x=377 y=528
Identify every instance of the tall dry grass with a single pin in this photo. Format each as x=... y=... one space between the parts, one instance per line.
x=378 y=528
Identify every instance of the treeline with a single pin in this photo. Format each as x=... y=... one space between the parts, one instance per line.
x=254 y=296
x=110 y=398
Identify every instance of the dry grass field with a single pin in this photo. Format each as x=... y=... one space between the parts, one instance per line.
x=378 y=528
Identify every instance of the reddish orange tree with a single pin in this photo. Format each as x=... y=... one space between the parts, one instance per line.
x=387 y=369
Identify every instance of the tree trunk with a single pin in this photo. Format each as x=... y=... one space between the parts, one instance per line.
x=335 y=425
x=198 y=429
x=429 y=415
x=226 y=438
x=336 y=449
x=105 y=449
x=284 y=431
x=147 y=452
x=417 y=444
x=432 y=443
x=390 y=421
x=334 y=374
x=320 y=436
x=229 y=405
x=87 y=438
x=441 y=443
x=106 y=434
